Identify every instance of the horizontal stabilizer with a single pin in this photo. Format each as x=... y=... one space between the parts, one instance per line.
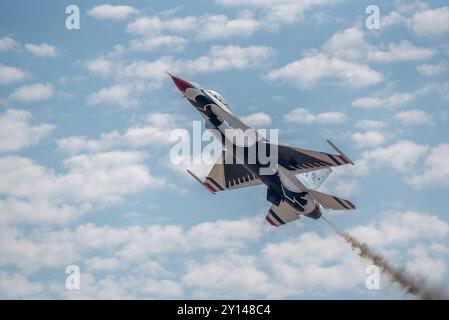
x=282 y=214
x=331 y=202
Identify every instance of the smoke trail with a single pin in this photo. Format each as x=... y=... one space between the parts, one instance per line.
x=410 y=284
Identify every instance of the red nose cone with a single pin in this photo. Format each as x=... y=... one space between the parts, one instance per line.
x=181 y=84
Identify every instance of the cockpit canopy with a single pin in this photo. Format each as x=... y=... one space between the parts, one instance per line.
x=218 y=96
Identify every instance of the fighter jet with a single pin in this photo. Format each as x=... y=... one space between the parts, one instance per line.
x=292 y=183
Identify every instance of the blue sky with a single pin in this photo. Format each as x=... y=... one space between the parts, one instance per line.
x=85 y=120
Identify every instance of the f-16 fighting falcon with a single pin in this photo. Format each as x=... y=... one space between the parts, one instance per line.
x=292 y=175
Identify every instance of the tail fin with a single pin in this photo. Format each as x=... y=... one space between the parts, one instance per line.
x=331 y=202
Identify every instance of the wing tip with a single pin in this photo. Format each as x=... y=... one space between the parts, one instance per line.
x=342 y=156
x=351 y=204
x=209 y=187
x=203 y=183
x=270 y=221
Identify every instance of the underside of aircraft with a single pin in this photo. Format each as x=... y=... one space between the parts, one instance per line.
x=292 y=185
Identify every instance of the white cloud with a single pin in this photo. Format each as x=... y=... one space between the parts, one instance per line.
x=302 y=115
x=217 y=235
x=163 y=288
x=439 y=248
x=436 y=169
x=388 y=101
x=149 y=75
x=441 y=88
x=221 y=27
x=101 y=66
x=370 y=124
x=432 y=22
x=107 y=176
x=400 y=228
x=345 y=187
x=348 y=43
x=391 y=19
x=134 y=244
x=229 y=57
x=368 y=139
x=152 y=240
x=30 y=252
x=433 y=269
x=225 y=233
x=40 y=195
x=16 y=132
x=258 y=119
x=114 y=12
x=420 y=18
x=120 y=94
x=290 y=267
x=129 y=286
x=404 y=51
x=401 y=156
x=205 y=27
x=155 y=131
x=117 y=51
x=154 y=25
x=313 y=262
x=8 y=43
x=226 y=276
x=411 y=7
x=109 y=287
x=37 y=211
x=431 y=70
x=325 y=264
x=152 y=43
x=102 y=264
x=308 y=71
x=218 y=58
x=16 y=285
x=42 y=50
x=154 y=71
x=280 y=12
x=10 y=74
x=33 y=92
x=413 y=116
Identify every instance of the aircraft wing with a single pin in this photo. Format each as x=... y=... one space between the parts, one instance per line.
x=303 y=160
x=331 y=202
x=227 y=176
x=233 y=121
x=282 y=214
